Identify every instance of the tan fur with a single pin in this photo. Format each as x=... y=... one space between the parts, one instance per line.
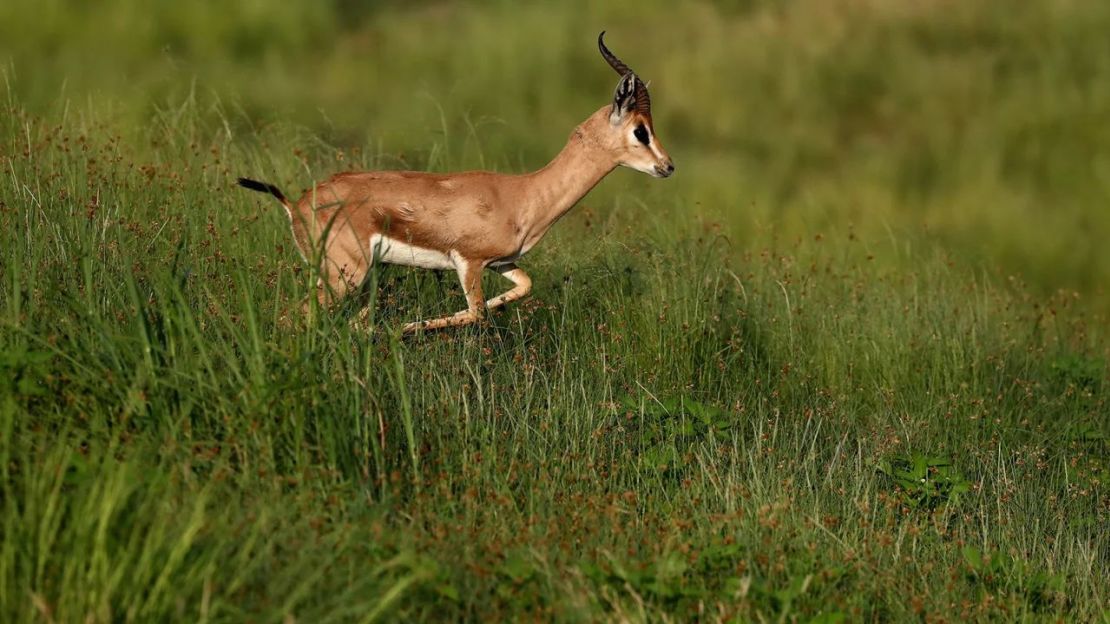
x=478 y=219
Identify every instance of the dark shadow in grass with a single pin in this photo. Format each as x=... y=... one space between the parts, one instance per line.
x=666 y=431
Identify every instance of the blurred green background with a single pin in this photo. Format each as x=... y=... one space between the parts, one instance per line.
x=982 y=127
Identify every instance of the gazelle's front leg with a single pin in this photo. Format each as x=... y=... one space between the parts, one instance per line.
x=470 y=275
x=522 y=285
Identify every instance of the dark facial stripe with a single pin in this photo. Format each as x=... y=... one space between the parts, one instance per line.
x=641 y=134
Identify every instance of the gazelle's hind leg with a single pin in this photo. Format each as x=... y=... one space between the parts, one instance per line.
x=470 y=275
x=522 y=285
x=342 y=273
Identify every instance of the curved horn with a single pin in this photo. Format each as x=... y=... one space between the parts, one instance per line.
x=643 y=100
x=614 y=62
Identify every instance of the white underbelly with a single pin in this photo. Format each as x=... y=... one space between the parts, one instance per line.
x=393 y=251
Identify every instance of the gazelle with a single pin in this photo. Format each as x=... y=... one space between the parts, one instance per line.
x=468 y=221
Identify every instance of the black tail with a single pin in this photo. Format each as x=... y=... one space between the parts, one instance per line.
x=262 y=187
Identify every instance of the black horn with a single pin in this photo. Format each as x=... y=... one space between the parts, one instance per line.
x=643 y=101
x=614 y=62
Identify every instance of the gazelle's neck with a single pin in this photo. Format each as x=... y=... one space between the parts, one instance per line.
x=555 y=189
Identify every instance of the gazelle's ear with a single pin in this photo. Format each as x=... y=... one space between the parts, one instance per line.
x=624 y=98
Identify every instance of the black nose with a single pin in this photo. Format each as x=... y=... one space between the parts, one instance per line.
x=666 y=170
x=670 y=168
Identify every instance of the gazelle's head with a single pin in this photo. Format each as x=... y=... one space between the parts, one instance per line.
x=633 y=135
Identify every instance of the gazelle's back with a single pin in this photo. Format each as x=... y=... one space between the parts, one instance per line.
x=428 y=210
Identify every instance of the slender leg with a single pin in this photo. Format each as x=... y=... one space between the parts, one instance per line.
x=522 y=285
x=470 y=275
x=472 y=284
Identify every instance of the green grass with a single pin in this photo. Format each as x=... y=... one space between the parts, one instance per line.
x=850 y=364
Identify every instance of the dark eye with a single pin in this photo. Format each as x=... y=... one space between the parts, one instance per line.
x=641 y=134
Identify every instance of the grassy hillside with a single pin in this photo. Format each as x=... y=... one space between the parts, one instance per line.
x=849 y=364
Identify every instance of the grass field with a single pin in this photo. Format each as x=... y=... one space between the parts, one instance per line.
x=849 y=364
